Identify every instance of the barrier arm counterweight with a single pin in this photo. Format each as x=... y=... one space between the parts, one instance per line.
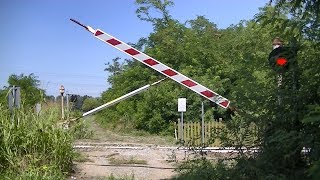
x=158 y=66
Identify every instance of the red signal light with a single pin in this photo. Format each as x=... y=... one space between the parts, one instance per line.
x=281 y=61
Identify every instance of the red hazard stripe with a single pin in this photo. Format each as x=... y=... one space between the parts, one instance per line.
x=113 y=41
x=151 y=62
x=188 y=83
x=132 y=51
x=169 y=72
x=224 y=103
x=208 y=94
x=98 y=33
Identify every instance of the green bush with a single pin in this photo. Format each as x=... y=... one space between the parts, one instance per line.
x=90 y=103
x=202 y=169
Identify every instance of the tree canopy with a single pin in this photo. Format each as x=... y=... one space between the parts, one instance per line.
x=232 y=62
x=29 y=87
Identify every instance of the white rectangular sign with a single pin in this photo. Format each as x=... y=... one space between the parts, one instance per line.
x=182 y=105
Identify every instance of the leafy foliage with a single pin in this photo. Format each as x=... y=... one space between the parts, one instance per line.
x=203 y=169
x=233 y=62
x=90 y=103
x=30 y=91
x=304 y=21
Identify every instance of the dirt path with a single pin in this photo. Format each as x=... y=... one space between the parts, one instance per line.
x=140 y=162
x=112 y=155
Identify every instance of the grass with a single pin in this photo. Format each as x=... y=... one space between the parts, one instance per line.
x=112 y=154
x=131 y=160
x=112 y=177
x=79 y=157
x=33 y=146
x=80 y=130
x=120 y=132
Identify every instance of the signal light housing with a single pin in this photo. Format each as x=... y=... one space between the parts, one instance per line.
x=280 y=58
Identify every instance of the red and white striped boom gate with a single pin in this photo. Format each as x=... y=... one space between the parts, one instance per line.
x=158 y=66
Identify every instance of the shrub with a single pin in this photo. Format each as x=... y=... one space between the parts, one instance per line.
x=202 y=169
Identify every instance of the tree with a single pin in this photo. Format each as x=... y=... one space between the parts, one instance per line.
x=90 y=103
x=308 y=12
x=283 y=130
x=304 y=21
x=144 y=11
x=29 y=85
x=194 y=51
x=50 y=98
x=233 y=62
x=115 y=68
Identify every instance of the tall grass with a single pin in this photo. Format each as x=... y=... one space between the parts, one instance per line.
x=33 y=146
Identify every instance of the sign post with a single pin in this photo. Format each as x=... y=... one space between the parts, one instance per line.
x=182 y=107
x=202 y=122
x=61 y=90
x=14 y=98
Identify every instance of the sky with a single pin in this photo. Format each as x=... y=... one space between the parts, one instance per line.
x=38 y=37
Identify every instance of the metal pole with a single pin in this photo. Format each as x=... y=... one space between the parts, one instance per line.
x=62 y=110
x=68 y=112
x=280 y=79
x=119 y=99
x=295 y=81
x=13 y=102
x=276 y=43
x=202 y=122
x=182 y=126
x=14 y=95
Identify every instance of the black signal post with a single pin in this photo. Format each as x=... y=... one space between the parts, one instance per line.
x=282 y=60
